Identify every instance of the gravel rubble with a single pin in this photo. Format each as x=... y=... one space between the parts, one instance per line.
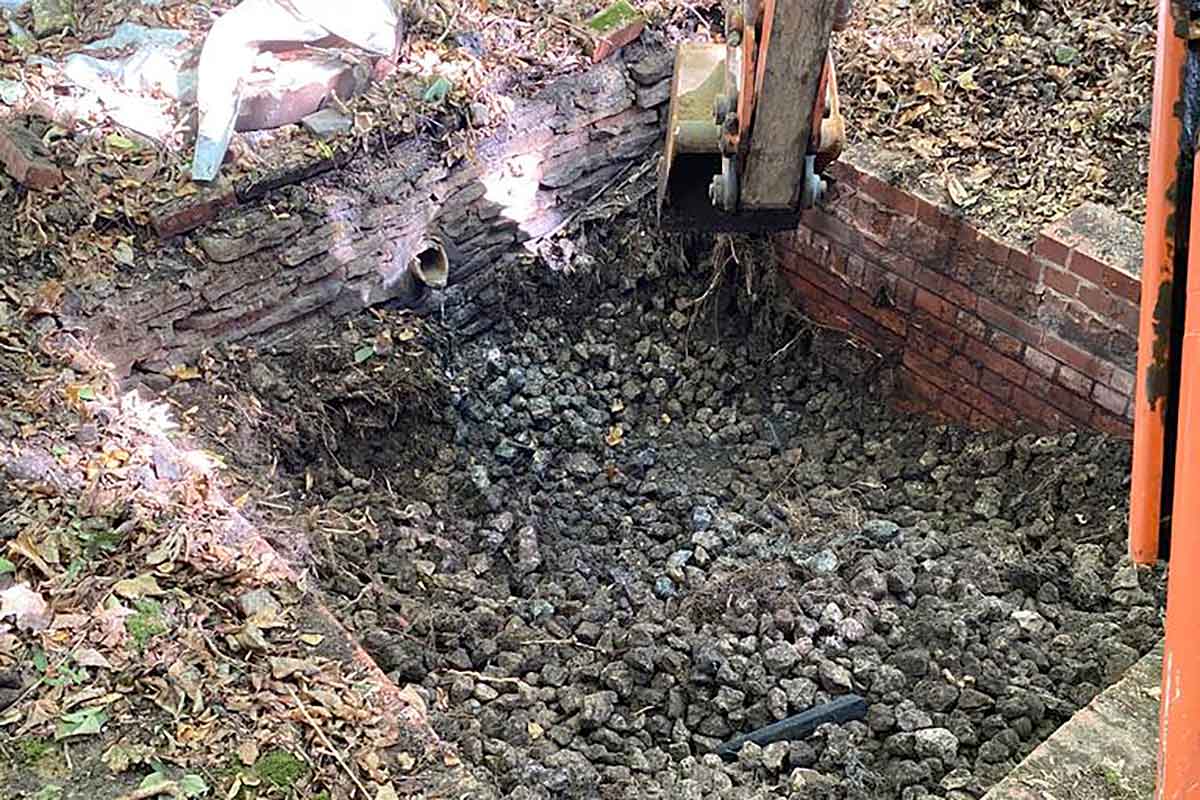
x=640 y=538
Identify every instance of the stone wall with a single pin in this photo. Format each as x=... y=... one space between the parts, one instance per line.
x=983 y=332
x=322 y=240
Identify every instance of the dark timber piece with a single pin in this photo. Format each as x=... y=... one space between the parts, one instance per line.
x=799 y=42
x=841 y=709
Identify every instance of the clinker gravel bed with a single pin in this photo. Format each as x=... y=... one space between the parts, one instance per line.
x=626 y=529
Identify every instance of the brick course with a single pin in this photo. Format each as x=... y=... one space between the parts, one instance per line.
x=986 y=333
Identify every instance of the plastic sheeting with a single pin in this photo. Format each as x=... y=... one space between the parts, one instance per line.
x=234 y=42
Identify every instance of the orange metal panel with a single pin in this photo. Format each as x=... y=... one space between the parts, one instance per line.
x=1154 y=335
x=1179 y=715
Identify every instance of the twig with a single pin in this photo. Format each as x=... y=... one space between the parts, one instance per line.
x=166 y=787
x=573 y=642
x=479 y=676
x=325 y=741
x=42 y=678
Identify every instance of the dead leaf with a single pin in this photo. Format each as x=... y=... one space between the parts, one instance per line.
x=90 y=657
x=616 y=435
x=311 y=639
x=408 y=695
x=958 y=192
x=137 y=588
x=29 y=610
x=123 y=253
x=47 y=299
x=247 y=751
x=914 y=113
x=181 y=372
x=250 y=637
x=928 y=88
x=40 y=554
x=283 y=668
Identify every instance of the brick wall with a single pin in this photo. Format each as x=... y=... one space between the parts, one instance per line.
x=980 y=331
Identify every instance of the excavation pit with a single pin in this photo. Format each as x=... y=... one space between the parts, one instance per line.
x=648 y=510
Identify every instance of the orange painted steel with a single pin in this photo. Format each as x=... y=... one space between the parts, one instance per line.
x=1179 y=714
x=1154 y=334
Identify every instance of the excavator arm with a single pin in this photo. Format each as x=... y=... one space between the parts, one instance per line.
x=754 y=120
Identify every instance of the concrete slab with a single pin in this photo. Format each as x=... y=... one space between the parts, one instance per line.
x=1108 y=751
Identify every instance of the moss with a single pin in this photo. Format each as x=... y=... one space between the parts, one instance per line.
x=280 y=768
x=33 y=749
x=1112 y=777
x=146 y=623
x=613 y=18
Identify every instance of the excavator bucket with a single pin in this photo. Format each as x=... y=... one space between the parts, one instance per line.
x=752 y=122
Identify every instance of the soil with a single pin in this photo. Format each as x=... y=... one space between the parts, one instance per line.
x=1015 y=112
x=648 y=510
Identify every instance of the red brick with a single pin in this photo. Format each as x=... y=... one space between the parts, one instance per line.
x=888 y=194
x=188 y=213
x=1076 y=407
x=1087 y=267
x=888 y=318
x=964 y=368
x=1121 y=381
x=826 y=280
x=993 y=250
x=1007 y=345
x=930 y=213
x=937 y=374
x=930 y=347
x=981 y=421
x=821 y=306
x=1127 y=316
x=834 y=229
x=1116 y=402
x=901 y=265
x=1038 y=411
x=905 y=294
x=1123 y=285
x=1113 y=426
x=994 y=361
x=1074 y=380
x=912 y=383
x=994 y=405
x=995 y=385
x=27 y=160
x=845 y=173
x=1040 y=363
x=972 y=325
x=856 y=270
x=936 y=305
x=947 y=333
x=1060 y=281
x=1098 y=300
x=1025 y=264
x=614 y=40
x=1008 y=322
x=1071 y=355
x=959 y=294
x=1052 y=249
x=836 y=313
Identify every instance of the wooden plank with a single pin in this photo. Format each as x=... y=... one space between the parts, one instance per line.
x=800 y=31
